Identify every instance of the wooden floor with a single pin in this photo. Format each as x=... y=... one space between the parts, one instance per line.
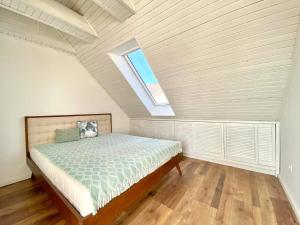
x=206 y=194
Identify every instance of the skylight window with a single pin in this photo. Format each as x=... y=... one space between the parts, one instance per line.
x=143 y=71
x=133 y=65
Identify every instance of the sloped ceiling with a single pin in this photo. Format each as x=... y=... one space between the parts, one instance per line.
x=215 y=59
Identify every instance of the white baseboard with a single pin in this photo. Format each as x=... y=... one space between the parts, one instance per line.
x=254 y=168
x=290 y=198
x=15 y=179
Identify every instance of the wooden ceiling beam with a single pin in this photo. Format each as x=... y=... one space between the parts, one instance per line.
x=120 y=9
x=53 y=14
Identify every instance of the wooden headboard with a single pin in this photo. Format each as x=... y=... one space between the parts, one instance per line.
x=41 y=129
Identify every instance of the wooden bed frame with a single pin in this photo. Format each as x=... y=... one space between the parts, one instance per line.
x=116 y=206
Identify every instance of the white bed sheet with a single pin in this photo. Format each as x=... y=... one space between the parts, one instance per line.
x=74 y=191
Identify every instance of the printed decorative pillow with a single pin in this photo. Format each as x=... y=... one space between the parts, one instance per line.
x=87 y=128
x=66 y=135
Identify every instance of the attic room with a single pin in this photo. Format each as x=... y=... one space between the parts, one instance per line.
x=156 y=112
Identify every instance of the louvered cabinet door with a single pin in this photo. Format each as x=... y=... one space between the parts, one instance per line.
x=136 y=127
x=184 y=133
x=240 y=143
x=148 y=128
x=208 y=139
x=164 y=130
x=266 y=144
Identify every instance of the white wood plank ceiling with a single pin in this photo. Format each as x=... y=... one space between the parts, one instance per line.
x=215 y=59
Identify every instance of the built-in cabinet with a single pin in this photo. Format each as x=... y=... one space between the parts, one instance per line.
x=240 y=142
x=248 y=145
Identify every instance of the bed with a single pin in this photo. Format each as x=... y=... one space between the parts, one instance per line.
x=85 y=191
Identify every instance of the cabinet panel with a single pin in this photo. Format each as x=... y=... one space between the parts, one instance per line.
x=240 y=143
x=208 y=139
x=148 y=128
x=266 y=144
x=164 y=130
x=136 y=127
x=184 y=133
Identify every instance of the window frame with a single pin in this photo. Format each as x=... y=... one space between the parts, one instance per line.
x=138 y=76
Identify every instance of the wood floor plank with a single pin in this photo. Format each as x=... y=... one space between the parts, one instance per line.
x=154 y=213
x=257 y=216
x=283 y=212
x=38 y=199
x=199 y=214
x=20 y=195
x=24 y=213
x=174 y=218
x=52 y=218
x=48 y=212
x=207 y=188
x=254 y=190
x=242 y=213
x=274 y=187
x=206 y=194
x=61 y=222
x=177 y=193
x=229 y=190
x=217 y=196
x=243 y=186
x=13 y=188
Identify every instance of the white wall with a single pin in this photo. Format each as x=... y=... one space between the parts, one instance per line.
x=290 y=136
x=36 y=80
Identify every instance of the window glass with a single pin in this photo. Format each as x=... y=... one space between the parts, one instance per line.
x=142 y=69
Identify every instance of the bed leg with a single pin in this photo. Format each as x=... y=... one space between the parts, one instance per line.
x=32 y=176
x=178 y=169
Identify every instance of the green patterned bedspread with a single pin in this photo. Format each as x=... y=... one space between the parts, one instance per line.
x=109 y=164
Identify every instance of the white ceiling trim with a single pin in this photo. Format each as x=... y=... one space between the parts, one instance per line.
x=55 y=15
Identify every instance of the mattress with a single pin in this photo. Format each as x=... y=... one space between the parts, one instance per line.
x=91 y=172
x=74 y=191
